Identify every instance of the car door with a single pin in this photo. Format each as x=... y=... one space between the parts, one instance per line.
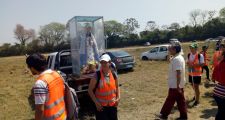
x=153 y=53
x=163 y=52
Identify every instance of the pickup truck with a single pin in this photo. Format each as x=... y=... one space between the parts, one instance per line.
x=62 y=61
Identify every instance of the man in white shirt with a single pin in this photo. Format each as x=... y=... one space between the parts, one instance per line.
x=176 y=83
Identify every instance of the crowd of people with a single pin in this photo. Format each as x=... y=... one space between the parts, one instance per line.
x=104 y=87
x=196 y=63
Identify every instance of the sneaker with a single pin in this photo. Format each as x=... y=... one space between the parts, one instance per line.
x=161 y=117
x=195 y=103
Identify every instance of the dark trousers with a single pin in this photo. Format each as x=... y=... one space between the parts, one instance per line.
x=221 y=108
x=175 y=96
x=206 y=68
x=108 y=113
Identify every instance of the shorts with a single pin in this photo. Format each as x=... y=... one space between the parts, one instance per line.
x=196 y=79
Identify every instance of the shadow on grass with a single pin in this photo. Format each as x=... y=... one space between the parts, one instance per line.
x=208 y=113
x=87 y=108
x=125 y=71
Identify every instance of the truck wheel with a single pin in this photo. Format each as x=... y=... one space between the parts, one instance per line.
x=144 y=58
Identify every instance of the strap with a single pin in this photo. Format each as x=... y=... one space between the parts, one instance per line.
x=98 y=77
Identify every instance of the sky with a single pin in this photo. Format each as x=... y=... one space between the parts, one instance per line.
x=36 y=13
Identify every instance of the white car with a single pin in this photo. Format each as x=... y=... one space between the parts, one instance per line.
x=157 y=53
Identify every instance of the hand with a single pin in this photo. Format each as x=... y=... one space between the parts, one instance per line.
x=179 y=90
x=98 y=106
x=213 y=80
x=117 y=101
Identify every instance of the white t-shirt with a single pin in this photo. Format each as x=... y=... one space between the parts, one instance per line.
x=40 y=90
x=177 y=63
x=192 y=57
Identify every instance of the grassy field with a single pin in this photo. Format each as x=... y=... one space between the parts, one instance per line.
x=143 y=91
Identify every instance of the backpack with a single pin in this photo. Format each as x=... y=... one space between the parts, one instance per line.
x=71 y=102
x=98 y=75
x=198 y=56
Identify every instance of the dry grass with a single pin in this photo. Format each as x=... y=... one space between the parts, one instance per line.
x=143 y=91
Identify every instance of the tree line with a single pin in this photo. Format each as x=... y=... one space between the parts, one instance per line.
x=54 y=36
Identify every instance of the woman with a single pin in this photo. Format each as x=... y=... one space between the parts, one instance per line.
x=219 y=90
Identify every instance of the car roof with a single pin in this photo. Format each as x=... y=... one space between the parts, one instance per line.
x=166 y=45
x=53 y=54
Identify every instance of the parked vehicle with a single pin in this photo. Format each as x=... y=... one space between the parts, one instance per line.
x=62 y=61
x=157 y=53
x=147 y=44
x=122 y=59
x=173 y=40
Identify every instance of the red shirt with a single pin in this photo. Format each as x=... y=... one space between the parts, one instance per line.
x=219 y=73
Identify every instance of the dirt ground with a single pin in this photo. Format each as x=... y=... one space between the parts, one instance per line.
x=143 y=91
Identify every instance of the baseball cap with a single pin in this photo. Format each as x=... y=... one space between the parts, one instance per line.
x=105 y=57
x=194 y=45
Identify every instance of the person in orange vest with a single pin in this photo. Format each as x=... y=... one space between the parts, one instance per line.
x=104 y=91
x=217 y=57
x=48 y=90
x=195 y=62
x=206 y=59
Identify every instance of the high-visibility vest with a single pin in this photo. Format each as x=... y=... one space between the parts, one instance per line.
x=217 y=57
x=195 y=71
x=54 y=107
x=106 y=91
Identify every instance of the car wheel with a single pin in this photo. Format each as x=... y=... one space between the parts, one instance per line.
x=144 y=58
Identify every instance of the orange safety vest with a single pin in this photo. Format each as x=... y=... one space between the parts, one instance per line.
x=106 y=92
x=217 y=57
x=195 y=71
x=54 y=107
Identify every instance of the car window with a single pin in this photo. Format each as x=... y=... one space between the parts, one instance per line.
x=119 y=53
x=163 y=49
x=65 y=60
x=49 y=60
x=154 y=50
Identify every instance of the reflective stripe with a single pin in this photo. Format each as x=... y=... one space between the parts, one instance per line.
x=105 y=93
x=106 y=101
x=57 y=115
x=54 y=103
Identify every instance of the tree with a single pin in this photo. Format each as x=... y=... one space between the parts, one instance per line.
x=194 y=17
x=23 y=35
x=113 y=27
x=151 y=26
x=222 y=13
x=164 y=27
x=131 y=25
x=174 y=26
x=203 y=17
x=211 y=14
x=52 y=34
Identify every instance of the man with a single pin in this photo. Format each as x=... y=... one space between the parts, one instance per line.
x=48 y=90
x=176 y=82
x=219 y=90
x=195 y=62
x=206 y=59
x=104 y=91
